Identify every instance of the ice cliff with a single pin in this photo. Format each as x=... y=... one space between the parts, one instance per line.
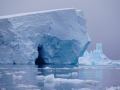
x=96 y=57
x=60 y=37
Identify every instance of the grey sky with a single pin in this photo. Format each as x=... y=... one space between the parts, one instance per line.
x=103 y=18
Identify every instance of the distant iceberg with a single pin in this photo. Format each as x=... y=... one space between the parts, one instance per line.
x=57 y=37
x=96 y=57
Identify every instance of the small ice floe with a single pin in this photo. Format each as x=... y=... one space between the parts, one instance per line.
x=47 y=68
x=63 y=75
x=17 y=77
x=113 y=88
x=8 y=73
x=74 y=74
x=41 y=77
x=29 y=87
x=83 y=89
x=20 y=72
x=74 y=81
x=50 y=79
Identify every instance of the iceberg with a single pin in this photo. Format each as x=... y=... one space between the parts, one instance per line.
x=96 y=57
x=56 y=37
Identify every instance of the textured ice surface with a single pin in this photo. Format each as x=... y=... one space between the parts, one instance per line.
x=29 y=87
x=96 y=57
x=17 y=77
x=50 y=79
x=61 y=33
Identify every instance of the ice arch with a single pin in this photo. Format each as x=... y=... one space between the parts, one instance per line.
x=62 y=33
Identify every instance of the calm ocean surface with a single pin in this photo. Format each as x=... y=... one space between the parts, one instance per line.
x=58 y=77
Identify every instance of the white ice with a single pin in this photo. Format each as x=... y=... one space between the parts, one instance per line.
x=96 y=57
x=30 y=87
x=50 y=80
x=17 y=77
x=62 y=34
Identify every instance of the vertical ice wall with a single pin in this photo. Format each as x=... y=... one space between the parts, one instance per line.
x=62 y=34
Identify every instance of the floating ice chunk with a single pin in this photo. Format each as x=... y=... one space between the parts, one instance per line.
x=8 y=73
x=74 y=81
x=20 y=72
x=41 y=77
x=27 y=86
x=17 y=77
x=74 y=74
x=49 y=80
x=47 y=67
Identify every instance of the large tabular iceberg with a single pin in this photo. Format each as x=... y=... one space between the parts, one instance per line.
x=96 y=57
x=60 y=37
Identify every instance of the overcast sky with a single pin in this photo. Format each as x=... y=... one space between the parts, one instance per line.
x=103 y=18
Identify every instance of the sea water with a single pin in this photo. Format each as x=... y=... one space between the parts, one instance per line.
x=59 y=77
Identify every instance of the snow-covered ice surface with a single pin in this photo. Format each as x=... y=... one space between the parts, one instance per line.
x=59 y=77
x=61 y=34
x=96 y=57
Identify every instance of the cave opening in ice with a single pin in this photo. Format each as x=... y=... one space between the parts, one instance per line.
x=40 y=59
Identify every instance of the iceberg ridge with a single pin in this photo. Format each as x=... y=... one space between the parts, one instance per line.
x=96 y=57
x=61 y=33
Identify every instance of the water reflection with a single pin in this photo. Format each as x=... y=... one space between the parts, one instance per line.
x=57 y=77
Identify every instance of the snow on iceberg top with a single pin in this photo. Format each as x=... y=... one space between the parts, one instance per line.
x=47 y=11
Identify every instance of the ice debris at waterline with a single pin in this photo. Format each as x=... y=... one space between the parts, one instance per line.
x=96 y=57
x=60 y=34
x=50 y=80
